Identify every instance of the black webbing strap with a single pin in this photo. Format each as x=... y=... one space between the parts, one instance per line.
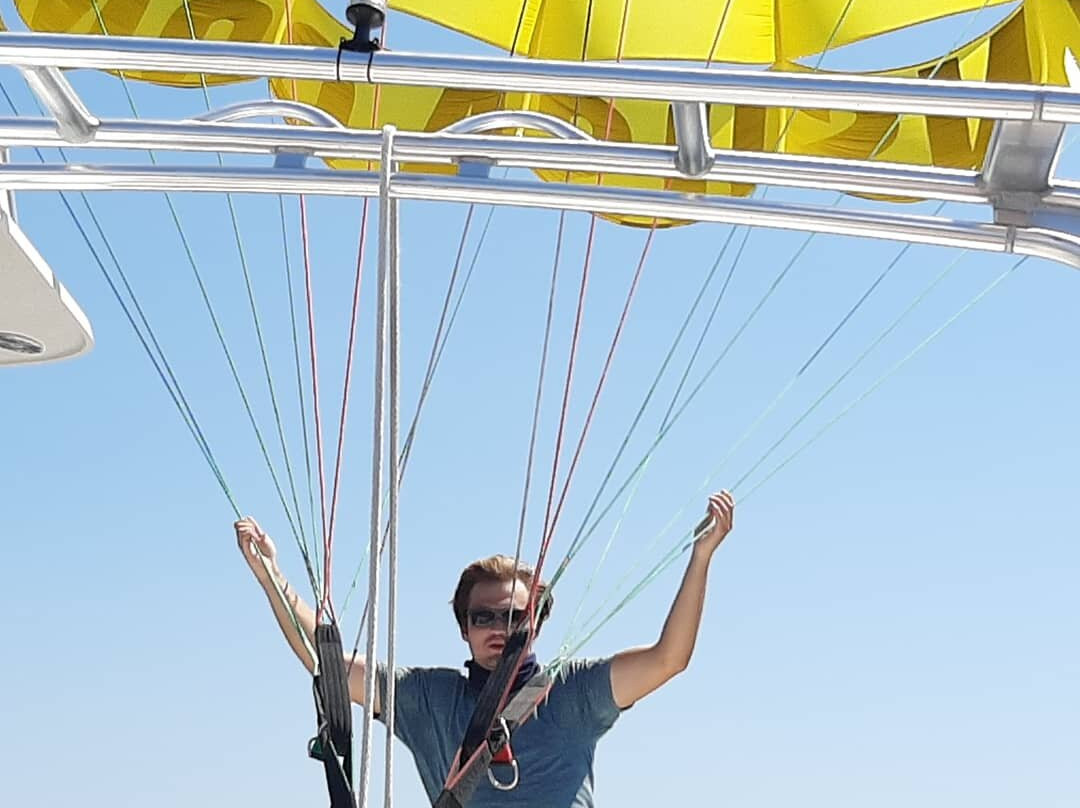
x=491 y=695
x=333 y=709
x=498 y=733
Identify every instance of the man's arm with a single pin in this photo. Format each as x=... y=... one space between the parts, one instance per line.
x=261 y=555
x=637 y=672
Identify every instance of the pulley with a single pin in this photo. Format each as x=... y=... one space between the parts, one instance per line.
x=366 y=16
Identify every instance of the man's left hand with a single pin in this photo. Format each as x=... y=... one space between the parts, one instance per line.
x=722 y=513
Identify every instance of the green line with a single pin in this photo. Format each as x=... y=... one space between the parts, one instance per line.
x=214 y=319
x=258 y=326
x=684 y=544
x=896 y=367
x=301 y=398
x=160 y=361
x=640 y=470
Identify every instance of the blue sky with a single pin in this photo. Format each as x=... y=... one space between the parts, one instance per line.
x=893 y=620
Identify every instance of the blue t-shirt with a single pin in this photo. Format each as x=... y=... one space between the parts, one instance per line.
x=554 y=749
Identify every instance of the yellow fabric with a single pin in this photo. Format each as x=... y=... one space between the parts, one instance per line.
x=751 y=31
x=217 y=20
x=1028 y=47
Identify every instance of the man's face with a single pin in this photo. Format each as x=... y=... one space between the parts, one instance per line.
x=485 y=626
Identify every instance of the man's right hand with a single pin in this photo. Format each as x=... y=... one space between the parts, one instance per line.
x=258 y=548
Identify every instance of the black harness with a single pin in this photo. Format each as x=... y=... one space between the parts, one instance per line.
x=333 y=710
x=487 y=738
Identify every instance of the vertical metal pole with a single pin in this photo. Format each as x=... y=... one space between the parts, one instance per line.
x=394 y=258
x=377 y=448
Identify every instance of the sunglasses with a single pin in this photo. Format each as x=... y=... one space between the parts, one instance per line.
x=486 y=618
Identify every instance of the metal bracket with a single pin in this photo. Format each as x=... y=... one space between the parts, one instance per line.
x=291 y=160
x=73 y=119
x=474 y=168
x=1019 y=164
x=694 y=156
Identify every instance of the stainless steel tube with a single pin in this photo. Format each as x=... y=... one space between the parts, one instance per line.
x=589 y=198
x=537 y=153
x=953 y=98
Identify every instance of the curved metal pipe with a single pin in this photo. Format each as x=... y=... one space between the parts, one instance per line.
x=538 y=121
x=271 y=109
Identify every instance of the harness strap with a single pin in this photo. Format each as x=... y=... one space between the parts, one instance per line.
x=491 y=694
x=333 y=711
x=476 y=767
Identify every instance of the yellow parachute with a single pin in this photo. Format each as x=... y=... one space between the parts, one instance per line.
x=1027 y=47
x=762 y=32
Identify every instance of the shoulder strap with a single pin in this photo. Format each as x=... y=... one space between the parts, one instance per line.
x=472 y=769
x=493 y=692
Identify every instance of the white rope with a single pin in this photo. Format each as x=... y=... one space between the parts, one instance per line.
x=389 y=209
x=378 y=418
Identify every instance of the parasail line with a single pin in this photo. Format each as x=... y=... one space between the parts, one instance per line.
x=249 y=287
x=301 y=398
x=351 y=345
x=324 y=605
x=575 y=543
x=159 y=360
x=186 y=413
x=552 y=516
x=406 y=453
x=836 y=330
x=888 y=374
x=962 y=37
x=641 y=468
x=185 y=243
x=537 y=403
x=817 y=65
x=683 y=545
x=353 y=319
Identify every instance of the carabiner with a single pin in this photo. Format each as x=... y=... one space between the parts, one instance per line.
x=497 y=783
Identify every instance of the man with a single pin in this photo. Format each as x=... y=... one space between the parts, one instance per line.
x=554 y=749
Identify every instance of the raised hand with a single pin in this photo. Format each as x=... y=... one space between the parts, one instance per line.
x=718 y=523
x=257 y=548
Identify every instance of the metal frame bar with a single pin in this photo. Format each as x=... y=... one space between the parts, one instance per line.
x=520 y=152
x=1028 y=115
x=694 y=85
x=586 y=198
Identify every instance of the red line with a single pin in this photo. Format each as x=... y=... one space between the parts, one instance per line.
x=549 y=518
x=353 y=322
x=348 y=372
x=603 y=378
x=548 y=532
x=324 y=603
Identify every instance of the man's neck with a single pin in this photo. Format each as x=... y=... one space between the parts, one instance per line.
x=478 y=674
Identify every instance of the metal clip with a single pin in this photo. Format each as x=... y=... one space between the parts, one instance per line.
x=503 y=756
x=498 y=784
